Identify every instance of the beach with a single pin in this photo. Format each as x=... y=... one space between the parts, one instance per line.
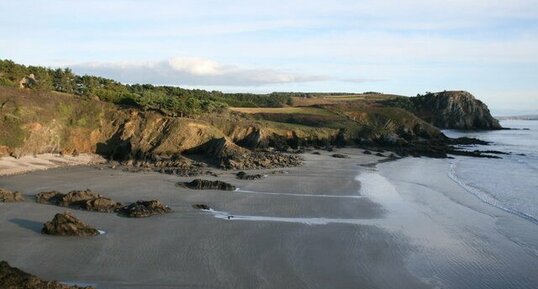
x=332 y=223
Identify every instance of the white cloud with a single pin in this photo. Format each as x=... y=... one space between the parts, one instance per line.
x=191 y=71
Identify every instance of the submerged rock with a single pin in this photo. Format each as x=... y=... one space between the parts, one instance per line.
x=201 y=207
x=13 y=278
x=67 y=224
x=340 y=156
x=141 y=209
x=7 y=196
x=244 y=176
x=86 y=200
x=199 y=184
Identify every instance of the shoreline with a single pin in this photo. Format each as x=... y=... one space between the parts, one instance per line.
x=336 y=223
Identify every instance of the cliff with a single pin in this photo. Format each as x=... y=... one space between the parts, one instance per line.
x=454 y=110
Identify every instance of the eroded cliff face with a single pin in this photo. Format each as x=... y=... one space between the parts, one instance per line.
x=454 y=110
x=32 y=122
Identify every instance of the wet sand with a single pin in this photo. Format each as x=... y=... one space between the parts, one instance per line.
x=328 y=224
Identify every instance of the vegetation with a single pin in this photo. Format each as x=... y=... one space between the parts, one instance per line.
x=173 y=100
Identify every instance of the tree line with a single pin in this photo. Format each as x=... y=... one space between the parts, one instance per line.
x=169 y=99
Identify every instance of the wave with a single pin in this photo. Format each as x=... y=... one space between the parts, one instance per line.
x=485 y=197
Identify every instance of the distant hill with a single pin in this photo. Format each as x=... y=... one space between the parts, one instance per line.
x=519 y=117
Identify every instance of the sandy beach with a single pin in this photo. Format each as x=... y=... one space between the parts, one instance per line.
x=12 y=166
x=333 y=223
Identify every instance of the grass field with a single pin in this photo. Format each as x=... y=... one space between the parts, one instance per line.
x=283 y=110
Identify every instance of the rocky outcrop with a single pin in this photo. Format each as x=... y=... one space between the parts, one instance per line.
x=142 y=209
x=454 y=110
x=199 y=184
x=7 y=196
x=244 y=176
x=85 y=200
x=14 y=278
x=67 y=224
x=228 y=155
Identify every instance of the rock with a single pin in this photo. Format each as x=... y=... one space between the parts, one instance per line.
x=201 y=207
x=244 y=176
x=101 y=204
x=199 y=184
x=228 y=155
x=7 y=196
x=454 y=110
x=142 y=209
x=13 y=278
x=379 y=155
x=316 y=153
x=52 y=197
x=85 y=200
x=67 y=224
x=367 y=152
x=340 y=156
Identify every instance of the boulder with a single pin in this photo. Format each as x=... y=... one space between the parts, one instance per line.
x=86 y=200
x=67 y=224
x=52 y=197
x=199 y=184
x=9 y=196
x=141 y=209
x=244 y=176
x=13 y=278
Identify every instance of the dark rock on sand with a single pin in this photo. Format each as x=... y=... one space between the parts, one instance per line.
x=316 y=153
x=244 y=176
x=7 y=196
x=142 y=209
x=340 y=156
x=228 y=155
x=379 y=155
x=201 y=207
x=67 y=224
x=367 y=152
x=86 y=200
x=13 y=278
x=199 y=184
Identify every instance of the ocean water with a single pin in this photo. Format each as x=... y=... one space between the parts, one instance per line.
x=510 y=183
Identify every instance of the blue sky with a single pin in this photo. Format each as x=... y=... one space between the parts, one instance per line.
x=489 y=48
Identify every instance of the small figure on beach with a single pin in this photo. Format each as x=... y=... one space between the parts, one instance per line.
x=230 y=217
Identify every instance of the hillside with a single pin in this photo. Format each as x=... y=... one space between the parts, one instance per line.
x=165 y=124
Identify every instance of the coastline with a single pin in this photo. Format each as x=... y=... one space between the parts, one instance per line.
x=335 y=223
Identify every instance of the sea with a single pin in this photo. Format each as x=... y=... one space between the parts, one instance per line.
x=509 y=183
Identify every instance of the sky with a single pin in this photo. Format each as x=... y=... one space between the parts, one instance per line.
x=487 y=47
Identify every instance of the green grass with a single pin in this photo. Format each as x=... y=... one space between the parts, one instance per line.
x=283 y=110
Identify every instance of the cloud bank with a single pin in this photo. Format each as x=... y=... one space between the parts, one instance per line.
x=191 y=71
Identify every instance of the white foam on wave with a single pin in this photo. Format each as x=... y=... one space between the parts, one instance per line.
x=484 y=196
